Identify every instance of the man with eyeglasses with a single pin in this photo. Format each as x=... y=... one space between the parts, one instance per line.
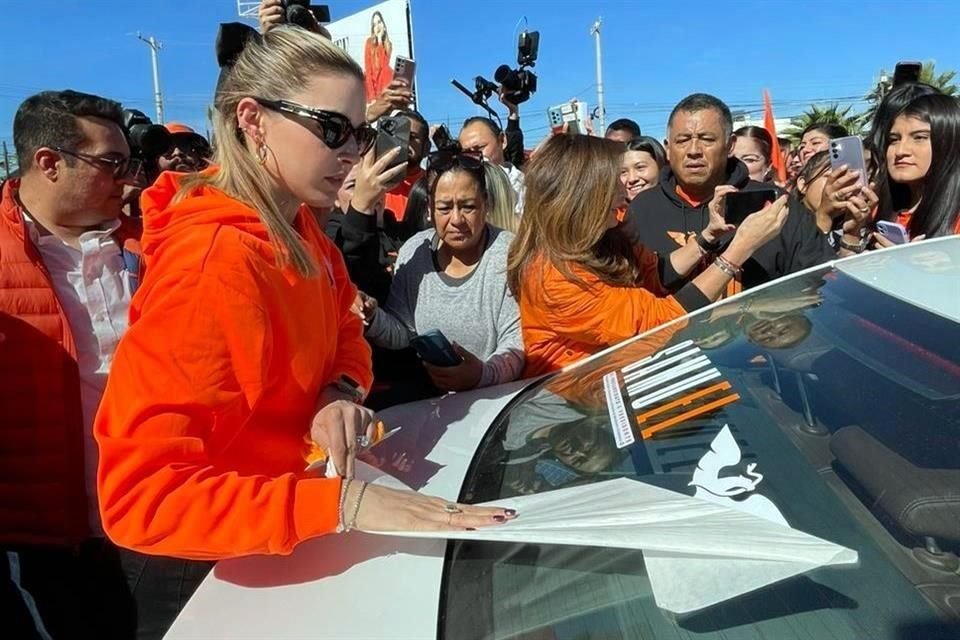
x=68 y=268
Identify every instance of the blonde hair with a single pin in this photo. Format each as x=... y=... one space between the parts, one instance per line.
x=501 y=198
x=280 y=64
x=571 y=184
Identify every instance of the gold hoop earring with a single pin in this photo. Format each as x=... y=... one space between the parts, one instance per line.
x=262 y=152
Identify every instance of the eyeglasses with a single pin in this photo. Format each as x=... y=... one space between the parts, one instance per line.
x=334 y=128
x=120 y=168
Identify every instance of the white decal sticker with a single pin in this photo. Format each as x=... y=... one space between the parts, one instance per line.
x=725 y=452
x=619 y=420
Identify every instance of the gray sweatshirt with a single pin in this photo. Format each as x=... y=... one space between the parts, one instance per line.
x=477 y=312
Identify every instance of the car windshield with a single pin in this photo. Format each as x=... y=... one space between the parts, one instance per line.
x=841 y=405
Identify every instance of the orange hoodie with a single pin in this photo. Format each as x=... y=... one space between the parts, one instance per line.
x=564 y=321
x=212 y=389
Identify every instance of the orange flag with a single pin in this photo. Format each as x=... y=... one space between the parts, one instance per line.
x=770 y=125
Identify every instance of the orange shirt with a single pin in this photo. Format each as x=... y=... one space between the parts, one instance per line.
x=396 y=199
x=564 y=321
x=212 y=389
x=904 y=218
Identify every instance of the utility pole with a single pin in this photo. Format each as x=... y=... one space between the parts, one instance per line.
x=155 y=47
x=595 y=32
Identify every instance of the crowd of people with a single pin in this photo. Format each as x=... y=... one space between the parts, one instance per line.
x=177 y=334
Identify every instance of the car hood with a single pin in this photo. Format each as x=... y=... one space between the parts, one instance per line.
x=356 y=585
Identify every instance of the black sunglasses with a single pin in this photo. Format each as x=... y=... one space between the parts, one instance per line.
x=444 y=159
x=334 y=128
x=120 y=168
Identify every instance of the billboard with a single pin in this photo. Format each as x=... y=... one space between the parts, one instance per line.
x=375 y=37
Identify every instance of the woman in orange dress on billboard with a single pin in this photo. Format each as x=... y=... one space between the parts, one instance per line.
x=376 y=58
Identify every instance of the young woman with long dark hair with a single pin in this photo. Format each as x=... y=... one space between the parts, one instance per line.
x=893 y=196
x=923 y=156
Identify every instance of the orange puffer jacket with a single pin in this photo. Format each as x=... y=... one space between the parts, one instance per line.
x=42 y=487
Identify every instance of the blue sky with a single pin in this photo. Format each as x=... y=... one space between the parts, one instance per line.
x=654 y=53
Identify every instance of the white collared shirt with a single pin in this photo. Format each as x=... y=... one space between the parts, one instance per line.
x=516 y=181
x=93 y=287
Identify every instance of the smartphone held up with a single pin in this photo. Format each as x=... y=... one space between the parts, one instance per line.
x=741 y=204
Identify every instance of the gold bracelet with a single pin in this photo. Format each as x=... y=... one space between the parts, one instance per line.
x=341 y=527
x=356 y=507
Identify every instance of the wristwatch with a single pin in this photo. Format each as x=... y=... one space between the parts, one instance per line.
x=351 y=387
x=856 y=248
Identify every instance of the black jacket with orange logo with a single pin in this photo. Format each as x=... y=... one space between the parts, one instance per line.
x=662 y=220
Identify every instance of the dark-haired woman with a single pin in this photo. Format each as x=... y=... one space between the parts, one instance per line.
x=754 y=148
x=452 y=278
x=923 y=157
x=641 y=165
x=841 y=220
x=894 y=197
x=817 y=137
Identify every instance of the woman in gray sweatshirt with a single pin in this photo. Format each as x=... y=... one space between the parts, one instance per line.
x=453 y=278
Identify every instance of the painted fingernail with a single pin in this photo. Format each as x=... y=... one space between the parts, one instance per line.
x=471 y=529
x=510 y=512
x=500 y=518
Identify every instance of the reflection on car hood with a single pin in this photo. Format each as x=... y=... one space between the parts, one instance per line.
x=356 y=585
x=925 y=274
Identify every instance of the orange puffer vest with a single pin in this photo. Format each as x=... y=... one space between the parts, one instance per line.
x=42 y=491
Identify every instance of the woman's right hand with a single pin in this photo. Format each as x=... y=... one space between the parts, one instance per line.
x=761 y=227
x=385 y=509
x=374 y=180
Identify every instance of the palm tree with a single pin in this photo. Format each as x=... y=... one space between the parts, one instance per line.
x=928 y=75
x=834 y=114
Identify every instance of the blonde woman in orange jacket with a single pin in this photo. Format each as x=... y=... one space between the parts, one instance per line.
x=241 y=337
x=581 y=284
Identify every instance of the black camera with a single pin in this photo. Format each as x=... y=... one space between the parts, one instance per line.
x=148 y=141
x=517 y=83
x=298 y=12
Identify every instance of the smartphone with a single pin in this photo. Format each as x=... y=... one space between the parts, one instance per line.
x=393 y=132
x=404 y=69
x=434 y=348
x=573 y=114
x=849 y=151
x=906 y=72
x=893 y=231
x=741 y=204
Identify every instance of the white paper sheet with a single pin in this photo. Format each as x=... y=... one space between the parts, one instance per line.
x=697 y=553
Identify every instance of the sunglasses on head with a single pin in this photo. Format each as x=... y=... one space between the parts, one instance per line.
x=444 y=159
x=332 y=127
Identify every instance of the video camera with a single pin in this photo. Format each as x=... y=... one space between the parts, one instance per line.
x=148 y=141
x=298 y=12
x=517 y=84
